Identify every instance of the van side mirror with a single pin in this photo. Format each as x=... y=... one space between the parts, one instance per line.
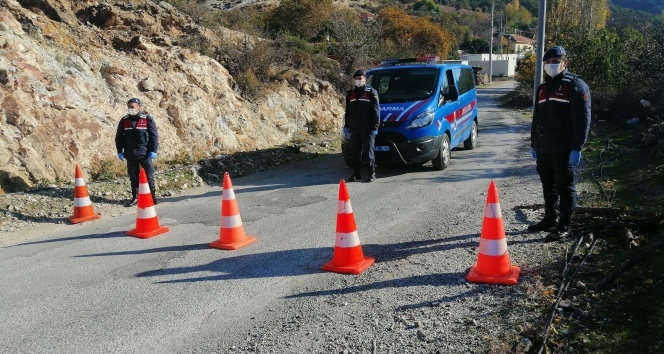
x=444 y=91
x=452 y=94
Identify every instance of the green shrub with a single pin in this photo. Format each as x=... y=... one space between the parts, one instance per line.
x=197 y=43
x=199 y=12
x=182 y=157
x=249 y=84
x=619 y=67
x=426 y=6
x=302 y=18
x=106 y=169
x=330 y=71
x=318 y=126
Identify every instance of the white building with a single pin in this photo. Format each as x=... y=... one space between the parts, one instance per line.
x=503 y=64
x=520 y=44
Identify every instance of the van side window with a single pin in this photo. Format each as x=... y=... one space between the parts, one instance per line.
x=383 y=84
x=450 y=91
x=444 y=90
x=466 y=81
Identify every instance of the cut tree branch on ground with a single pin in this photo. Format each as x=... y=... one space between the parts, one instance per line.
x=564 y=283
x=608 y=222
x=611 y=277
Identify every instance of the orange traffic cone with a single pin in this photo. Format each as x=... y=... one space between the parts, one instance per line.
x=82 y=205
x=147 y=223
x=231 y=231
x=348 y=255
x=493 y=261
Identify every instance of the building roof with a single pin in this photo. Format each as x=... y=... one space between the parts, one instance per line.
x=521 y=39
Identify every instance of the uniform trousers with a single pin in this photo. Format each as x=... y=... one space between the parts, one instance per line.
x=557 y=177
x=133 y=169
x=362 y=145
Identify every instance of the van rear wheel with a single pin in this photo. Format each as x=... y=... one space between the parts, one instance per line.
x=442 y=160
x=471 y=142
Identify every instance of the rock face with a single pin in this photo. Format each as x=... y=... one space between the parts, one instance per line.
x=67 y=69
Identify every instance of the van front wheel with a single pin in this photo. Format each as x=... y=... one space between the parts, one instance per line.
x=471 y=142
x=442 y=160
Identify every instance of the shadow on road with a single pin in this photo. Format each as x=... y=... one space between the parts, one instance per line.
x=281 y=263
x=195 y=247
x=282 y=177
x=75 y=238
x=418 y=280
x=261 y=265
x=392 y=252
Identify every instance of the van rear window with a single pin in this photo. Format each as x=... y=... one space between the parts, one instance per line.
x=404 y=85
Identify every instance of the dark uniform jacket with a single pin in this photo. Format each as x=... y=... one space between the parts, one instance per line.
x=137 y=136
x=362 y=110
x=562 y=114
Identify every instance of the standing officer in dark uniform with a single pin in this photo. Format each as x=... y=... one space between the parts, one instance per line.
x=137 y=141
x=559 y=130
x=361 y=122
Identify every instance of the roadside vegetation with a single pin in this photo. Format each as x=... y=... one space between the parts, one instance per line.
x=176 y=172
x=331 y=40
x=623 y=64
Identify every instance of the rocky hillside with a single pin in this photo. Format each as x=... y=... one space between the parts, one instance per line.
x=230 y=4
x=67 y=67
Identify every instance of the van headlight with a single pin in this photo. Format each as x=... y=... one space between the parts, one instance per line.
x=422 y=120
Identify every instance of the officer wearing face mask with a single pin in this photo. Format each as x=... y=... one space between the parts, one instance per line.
x=137 y=141
x=361 y=123
x=559 y=130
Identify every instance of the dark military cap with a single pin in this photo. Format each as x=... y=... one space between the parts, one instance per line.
x=359 y=73
x=134 y=100
x=554 y=52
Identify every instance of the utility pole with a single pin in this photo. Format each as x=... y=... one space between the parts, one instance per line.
x=539 y=53
x=500 y=34
x=491 y=46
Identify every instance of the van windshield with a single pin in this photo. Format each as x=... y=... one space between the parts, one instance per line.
x=404 y=84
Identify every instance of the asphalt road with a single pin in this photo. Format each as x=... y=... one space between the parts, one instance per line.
x=94 y=290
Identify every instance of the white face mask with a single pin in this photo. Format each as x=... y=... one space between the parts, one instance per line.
x=553 y=69
x=359 y=83
x=132 y=111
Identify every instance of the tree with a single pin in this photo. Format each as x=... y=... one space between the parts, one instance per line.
x=352 y=38
x=475 y=46
x=414 y=34
x=606 y=58
x=650 y=6
x=575 y=18
x=303 y=18
x=517 y=15
x=248 y=20
x=623 y=18
x=427 y=6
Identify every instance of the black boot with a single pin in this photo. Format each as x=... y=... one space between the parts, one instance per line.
x=372 y=174
x=550 y=220
x=154 y=197
x=132 y=202
x=356 y=176
x=563 y=230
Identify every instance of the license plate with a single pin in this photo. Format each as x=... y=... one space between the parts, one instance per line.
x=381 y=148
